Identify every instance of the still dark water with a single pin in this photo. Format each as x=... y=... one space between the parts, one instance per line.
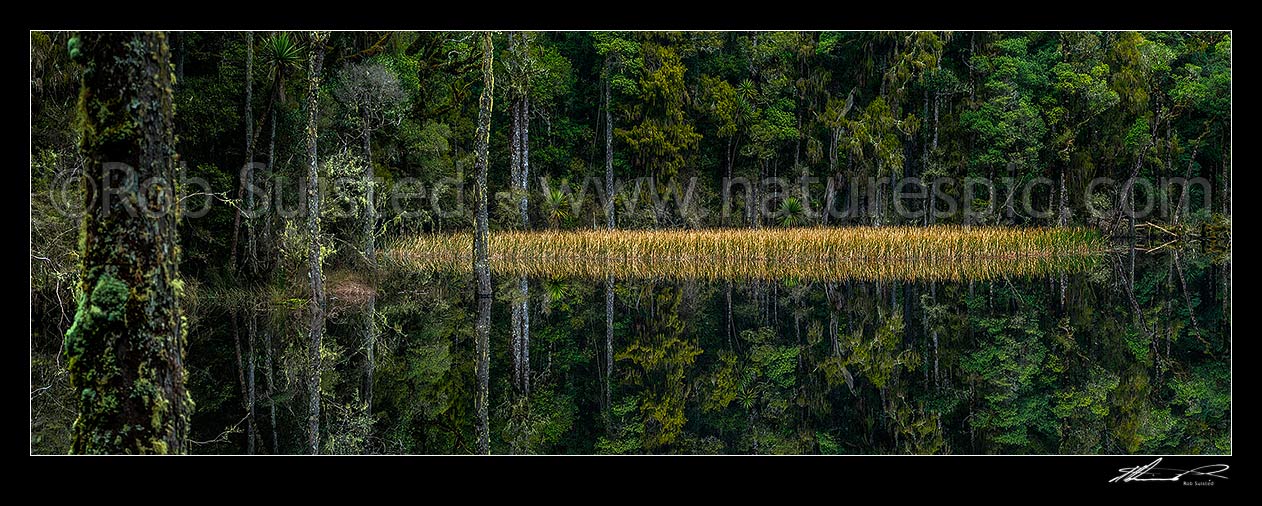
x=1120 y=356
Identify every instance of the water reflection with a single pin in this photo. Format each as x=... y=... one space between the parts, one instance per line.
x=1125 y=354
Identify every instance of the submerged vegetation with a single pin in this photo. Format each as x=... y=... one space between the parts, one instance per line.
x=864 y=253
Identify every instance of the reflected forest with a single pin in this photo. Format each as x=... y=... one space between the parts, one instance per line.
x=630 y=243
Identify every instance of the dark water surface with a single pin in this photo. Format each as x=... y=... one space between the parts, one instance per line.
x=1107 y=358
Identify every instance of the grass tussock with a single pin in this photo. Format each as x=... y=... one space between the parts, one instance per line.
x=864 y=253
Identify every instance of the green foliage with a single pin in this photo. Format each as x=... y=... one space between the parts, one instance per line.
x=1008 y=368
x=660 y=137
x=1012 y=362
x=879 y=357
x=660 y=357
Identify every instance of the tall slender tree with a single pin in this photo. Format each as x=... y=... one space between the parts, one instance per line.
x=481 y=142
x=126 y=345
x=520 y=70
x=281 y=55
x=245 y=183
x=250 y=176
x=317 y=303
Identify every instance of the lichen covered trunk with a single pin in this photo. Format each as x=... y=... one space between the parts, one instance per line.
x=608 y=353
x=126 y=345
x=317 y=302
x=480 y=265
x=609 y=216
x=524 y=203
x=483 y=351
x=252 y=255
x=370 y=206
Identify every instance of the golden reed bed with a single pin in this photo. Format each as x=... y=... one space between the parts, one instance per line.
x=861 y=253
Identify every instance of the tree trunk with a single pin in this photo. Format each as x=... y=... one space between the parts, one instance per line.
x=609 y=213
x=524 y=203
x=480 y=265
x=519 y=94
x=370 y=256
x=1187 y=176
x=1008 y=214
x=830 y=199
x=514 y=114
x=370 y=207
x=514 y=145
x=247 y=167
x=271 y=169
x=1226 y=167
x=879 y=200
x=126 y=346
x=251 y=240
x=1062 y=208
x=317 y=303
x=181 y=50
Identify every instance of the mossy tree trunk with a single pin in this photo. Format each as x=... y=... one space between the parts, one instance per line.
x=126 y=346
x=317 y=303
x=480 y=265
x=482 y=327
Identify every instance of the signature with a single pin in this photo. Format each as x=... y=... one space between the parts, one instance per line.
x=1151 y=472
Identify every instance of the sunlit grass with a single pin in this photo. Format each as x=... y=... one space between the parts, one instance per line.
x=864 y=253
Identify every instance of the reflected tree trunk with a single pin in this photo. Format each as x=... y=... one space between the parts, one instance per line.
x=523 y=288
x=245 y=396
x=731 y=326
x=270 y=385
x=1187 y=299
x=933 y=296
x=521 y=336
x=369 y=323
x=609 y=350
x=521 y=367
x=250 y=330
x=483 y=347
